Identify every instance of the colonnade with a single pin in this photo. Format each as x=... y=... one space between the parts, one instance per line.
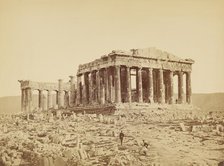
x=113 y=85
x=63 y=98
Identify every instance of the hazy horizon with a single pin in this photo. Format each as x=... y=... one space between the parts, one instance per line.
x=44 y=40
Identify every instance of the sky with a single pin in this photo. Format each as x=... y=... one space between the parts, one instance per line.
x=44 y=40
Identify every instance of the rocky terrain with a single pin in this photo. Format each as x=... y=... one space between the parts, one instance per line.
x=56 y=138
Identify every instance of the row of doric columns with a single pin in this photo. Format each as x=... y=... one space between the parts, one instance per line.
x=106 y=85
x=62 y=99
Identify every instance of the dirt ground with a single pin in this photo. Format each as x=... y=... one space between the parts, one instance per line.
x=174 y=138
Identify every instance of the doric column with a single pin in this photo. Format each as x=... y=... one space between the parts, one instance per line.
x=188 y=87
x=44 y=106
x=171 y=97
x=117 y=84
x=30 y=99
x=78 y=101
x=66 y=99
x=26 y=100
x=150 y=92
x=161 y=87
x=102 y=94
x=98 y=86
x=128 y=70
x=180 y=87
x=90 y=88
x=23 y=95
x=110 y=87
x=72 y=89
x=106 y=84
x=57 y=97
x=140 y=98
x=60 y=93
x=49 y=99
x=86 y=88
x=41 y=99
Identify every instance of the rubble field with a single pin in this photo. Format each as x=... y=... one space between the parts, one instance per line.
x=175 y=137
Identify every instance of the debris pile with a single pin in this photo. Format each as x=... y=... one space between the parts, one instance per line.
x=58 y=138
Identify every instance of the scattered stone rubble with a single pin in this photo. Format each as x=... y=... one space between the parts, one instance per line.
x=57 y=138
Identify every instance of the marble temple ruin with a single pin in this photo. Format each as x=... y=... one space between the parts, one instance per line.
x=138 y=75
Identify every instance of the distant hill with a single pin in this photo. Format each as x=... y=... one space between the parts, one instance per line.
x=207 y=102
x=10 y=104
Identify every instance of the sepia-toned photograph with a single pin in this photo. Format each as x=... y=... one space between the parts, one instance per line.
x=111 y=83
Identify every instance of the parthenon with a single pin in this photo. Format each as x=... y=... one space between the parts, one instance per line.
x=135 y=76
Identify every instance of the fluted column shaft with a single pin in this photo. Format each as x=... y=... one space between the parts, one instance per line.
x=128 y=84
x=23 y=95
x=171 y=87
x=117 y=84
x=49 y=99
x=180 y=87
x=41 y=102
x=102 y=94
x=78 y=101
x=161 y=87
x=150 y=76
x=106 y=73
x=26 y=100
x=57 y=97
x=29 y=96
x=66 y=99
x=110 y=88
x=86 y=88
x=98 y=85
x=60 y=93
x=140 y=96
x=90 y=88
x=188 y=87
x=72 y=89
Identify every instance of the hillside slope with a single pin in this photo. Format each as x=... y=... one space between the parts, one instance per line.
x=209 y=102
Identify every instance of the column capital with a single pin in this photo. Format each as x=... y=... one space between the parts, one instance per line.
x=117 y=66
x=180 y=72
x=128 y=66
x=71 y=77
x=79 y=74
